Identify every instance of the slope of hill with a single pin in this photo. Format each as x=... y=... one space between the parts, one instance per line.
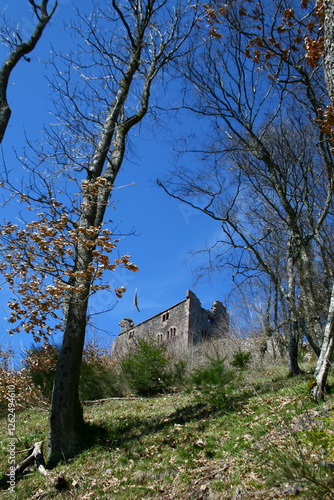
x=269 y=441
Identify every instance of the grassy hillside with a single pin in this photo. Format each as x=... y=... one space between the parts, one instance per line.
x=270 y=441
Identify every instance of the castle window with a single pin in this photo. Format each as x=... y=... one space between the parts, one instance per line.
x=211 y=319
x=204 y=335
x=165 y=316
x=171 y=333
x=131 y=334
x=159 y=338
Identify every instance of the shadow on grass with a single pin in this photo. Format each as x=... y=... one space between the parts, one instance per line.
x=276 y=384
x=123 y=434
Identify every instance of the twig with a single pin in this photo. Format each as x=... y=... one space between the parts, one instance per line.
x=129 y=398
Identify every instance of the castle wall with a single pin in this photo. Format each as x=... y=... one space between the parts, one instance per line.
x=169 y=326
x=179 y=326
x=205 y=324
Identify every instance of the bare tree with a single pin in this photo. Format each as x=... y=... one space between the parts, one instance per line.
x=262 y=92
x=134 y=42
x=325 y=359
x=19 y=48
x=103 y=88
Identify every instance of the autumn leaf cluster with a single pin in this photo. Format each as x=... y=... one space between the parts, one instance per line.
x=33 y=382
x=41 y=266
x=291 y=36
x=26 y=393
x=294 y=29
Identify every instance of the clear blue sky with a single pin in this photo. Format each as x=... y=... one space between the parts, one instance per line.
x=166 y=229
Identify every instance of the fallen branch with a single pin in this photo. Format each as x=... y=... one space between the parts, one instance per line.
x=126 y=398
x=35 y=455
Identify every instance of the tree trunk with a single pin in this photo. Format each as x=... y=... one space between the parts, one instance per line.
x=293 y=349
x=293 y=320
x=314 y=330
x=128 y=93
x=5 y=113
x=324 y=360
x=65 y=438
x=329 y=48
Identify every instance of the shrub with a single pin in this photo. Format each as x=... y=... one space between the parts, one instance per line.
x=98 y=378
x=305 y=457
x=176 y=374
x=145 y=368
x=40 y=366
x=213 y=382
x=34 y=382
x=241 y=359
x=26 y=394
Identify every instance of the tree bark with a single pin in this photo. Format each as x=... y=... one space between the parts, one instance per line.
x=324 y=360
x=329 y=48
x=66 y=433
x=293 y=349
x=17 y=54
x=293 y=320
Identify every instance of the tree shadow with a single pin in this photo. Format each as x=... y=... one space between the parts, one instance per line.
x=121 y=434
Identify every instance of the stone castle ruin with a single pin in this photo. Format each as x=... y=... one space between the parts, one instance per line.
x=181 y=326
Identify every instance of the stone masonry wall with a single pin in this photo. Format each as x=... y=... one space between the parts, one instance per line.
x=205 y=324
x=179 y=326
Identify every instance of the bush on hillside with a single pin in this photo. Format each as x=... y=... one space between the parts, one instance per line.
x=40 y=366
x=145 y=368
x=176 y=374
x=16 y=387
x=241 y=359
x=98 y=377
x=213 y=382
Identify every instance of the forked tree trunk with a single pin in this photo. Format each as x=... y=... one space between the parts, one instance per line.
x=129 y=96
x=66 y=434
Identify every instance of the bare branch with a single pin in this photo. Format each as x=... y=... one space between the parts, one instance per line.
x=19 y=52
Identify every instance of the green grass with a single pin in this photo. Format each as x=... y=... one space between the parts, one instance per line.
x=270 y=442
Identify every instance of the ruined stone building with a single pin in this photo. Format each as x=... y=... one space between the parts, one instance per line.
x=183 y=325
